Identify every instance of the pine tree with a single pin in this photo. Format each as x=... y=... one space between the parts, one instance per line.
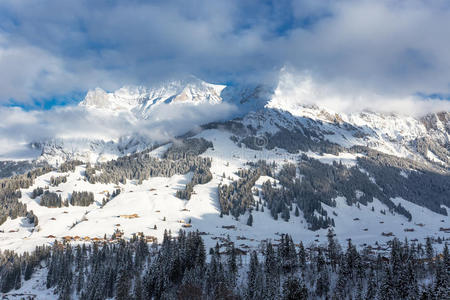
x=302 y=256
x=323 y=283
x=123 y=285
x=429 y=249
x=294 y=290
x=271 y=273
x=441 y=287
x=250 y=220
x=332 y=249
x=252 y=277
x=138 y=289
x=341 y=283
x=386 y=289
x=371 y=286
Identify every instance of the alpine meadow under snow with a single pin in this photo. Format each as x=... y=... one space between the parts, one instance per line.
x=239 y=150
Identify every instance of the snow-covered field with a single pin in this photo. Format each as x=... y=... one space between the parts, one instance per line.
x=155 y=203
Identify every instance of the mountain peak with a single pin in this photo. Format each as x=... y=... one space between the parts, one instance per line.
x=140 y=99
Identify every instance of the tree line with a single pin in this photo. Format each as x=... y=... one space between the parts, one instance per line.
x=179 y=268
x=10 y=193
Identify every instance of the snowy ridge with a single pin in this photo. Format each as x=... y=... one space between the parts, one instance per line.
x=141 y=100
x=265 y=108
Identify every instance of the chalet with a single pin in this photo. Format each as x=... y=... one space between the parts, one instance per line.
x=187 y=225
x=118 y=233
x=67 y=238
x=240 y=251
x=51 y=236
x=157 y=211
x=181 y=221
x=53 y=219
x=439 y=257
x=76 y=238
x=436 y=258
x=133 y=216
x=86 y=238
x=151 y=239
x=12 y=230
x=237 y=251
x=96 y=239
x=152 y=189
x=185 y=209
x=228 y=227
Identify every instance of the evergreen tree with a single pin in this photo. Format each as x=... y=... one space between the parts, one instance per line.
x=294 y=290
x=250 y=220
x=138 y=289
x=332 y=250
x=123 y=285
x=255 y=288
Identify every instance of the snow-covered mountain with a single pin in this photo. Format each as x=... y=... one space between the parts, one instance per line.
x=425 y=138
x=144 y=106
x=378 y=174
x=141 y=100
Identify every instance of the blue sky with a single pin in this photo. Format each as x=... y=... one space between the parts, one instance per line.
x=52 y=52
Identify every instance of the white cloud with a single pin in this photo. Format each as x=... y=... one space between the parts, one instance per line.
x=389 y=48
x=20 y=128
x=303 y=88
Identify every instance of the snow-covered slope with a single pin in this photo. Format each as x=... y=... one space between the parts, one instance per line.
x=141 y=100
x=154 y=202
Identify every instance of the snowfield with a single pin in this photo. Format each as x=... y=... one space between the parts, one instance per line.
x=155 y=204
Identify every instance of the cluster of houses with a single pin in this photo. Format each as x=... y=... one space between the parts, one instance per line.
x=116 y=236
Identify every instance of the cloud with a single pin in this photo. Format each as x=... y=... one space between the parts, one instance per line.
x=74 y=124
x=303 y=88
x=389 y=48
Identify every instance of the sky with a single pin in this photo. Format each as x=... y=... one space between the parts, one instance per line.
x=52 y=52
x=347 y=55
